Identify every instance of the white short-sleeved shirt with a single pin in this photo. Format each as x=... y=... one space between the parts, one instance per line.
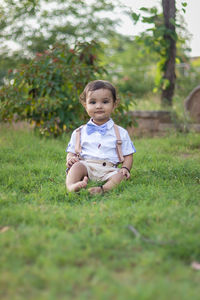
x=103 y=147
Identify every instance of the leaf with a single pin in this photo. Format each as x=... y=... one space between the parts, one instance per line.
x=165 y=84
x=149 y=20
x=154 y=10
x=184 y=4
x=135 y=17
x=144 y=9
x=172 y=21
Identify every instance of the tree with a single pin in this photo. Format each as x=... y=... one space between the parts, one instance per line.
x=35 y=25
x=162 y=39
x=169 y=12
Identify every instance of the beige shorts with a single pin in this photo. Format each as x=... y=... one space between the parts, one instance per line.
x=99 y=170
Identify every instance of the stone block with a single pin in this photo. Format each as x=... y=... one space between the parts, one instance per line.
x=192 y=104
x=150 y=122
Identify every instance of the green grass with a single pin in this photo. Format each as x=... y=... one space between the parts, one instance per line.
x=56 y=245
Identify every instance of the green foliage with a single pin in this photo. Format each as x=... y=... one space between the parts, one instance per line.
x=45 y=91
x=155 y=40
x=58 y=245
x=184 y=5
x=8 y=62
x=121 y=115
x=46 y=22
x=129 y=66
x=34 y=26
x=188 y=77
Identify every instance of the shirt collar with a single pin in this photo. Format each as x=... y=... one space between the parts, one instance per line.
x=109 y=123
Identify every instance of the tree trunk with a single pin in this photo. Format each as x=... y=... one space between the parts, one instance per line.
x=169 y=12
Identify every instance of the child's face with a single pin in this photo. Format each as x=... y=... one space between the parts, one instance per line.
x=99 y=105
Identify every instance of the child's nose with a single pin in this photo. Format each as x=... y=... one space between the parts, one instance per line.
x=99 y=104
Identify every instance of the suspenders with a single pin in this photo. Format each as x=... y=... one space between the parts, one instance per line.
x=118 y=142
x=78 y=141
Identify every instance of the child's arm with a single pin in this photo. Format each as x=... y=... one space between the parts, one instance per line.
x=71 y=159
x=127 y=165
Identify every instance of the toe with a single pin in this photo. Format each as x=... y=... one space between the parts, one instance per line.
x=85 y=179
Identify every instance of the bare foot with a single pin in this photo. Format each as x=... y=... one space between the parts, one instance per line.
x=95 y=190
x=75 y=187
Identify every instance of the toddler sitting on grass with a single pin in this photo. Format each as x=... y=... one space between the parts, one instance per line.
x=96 y=149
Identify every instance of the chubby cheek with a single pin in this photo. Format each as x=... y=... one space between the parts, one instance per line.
x=90 y=112
x=89 y=108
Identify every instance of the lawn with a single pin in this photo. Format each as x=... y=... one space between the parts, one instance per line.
x=59 y=245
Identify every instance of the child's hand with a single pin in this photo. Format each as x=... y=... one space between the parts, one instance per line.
x=72 y=161
x=125 y=172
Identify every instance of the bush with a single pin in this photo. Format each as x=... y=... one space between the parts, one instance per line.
x=45 y=91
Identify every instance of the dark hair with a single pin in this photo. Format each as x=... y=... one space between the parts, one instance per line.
x=96 y=85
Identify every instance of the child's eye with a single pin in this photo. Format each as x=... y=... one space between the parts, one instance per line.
x=92 y=102
x=105 y=101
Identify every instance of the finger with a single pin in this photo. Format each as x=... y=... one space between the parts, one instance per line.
x=74 y=160
x=71 y=163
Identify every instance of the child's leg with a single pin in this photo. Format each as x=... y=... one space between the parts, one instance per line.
x=77 y=177
x=110 y=184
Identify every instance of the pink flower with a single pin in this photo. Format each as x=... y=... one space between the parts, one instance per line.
x=38 y=54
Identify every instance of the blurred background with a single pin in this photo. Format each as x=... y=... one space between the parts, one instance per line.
x=129 y=45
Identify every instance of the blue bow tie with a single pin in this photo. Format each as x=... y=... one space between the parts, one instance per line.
x=92 y=128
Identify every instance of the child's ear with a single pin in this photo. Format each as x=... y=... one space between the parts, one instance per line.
x=114 y=104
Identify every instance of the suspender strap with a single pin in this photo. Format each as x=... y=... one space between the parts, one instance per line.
x=118 y=144
x=78 y=141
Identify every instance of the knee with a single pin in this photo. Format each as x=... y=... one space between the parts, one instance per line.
x=79 y=167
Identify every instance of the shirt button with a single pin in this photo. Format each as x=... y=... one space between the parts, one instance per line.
x=104 y=164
